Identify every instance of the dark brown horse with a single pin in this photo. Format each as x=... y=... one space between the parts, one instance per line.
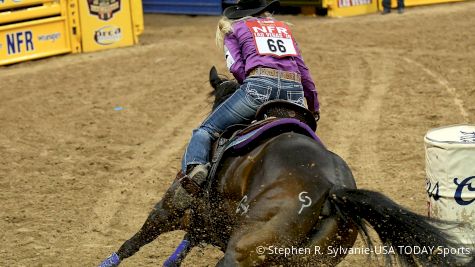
x=289 y=201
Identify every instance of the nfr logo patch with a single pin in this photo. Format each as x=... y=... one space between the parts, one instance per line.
x=104 y=9
x=19 y=42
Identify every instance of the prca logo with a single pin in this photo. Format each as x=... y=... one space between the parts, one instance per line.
x=108 y=35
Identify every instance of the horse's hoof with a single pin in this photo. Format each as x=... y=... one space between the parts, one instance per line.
x=112 y=261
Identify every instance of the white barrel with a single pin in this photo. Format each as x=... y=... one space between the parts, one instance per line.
x=450 y=181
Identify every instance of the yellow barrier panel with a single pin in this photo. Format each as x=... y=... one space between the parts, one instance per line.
x=137 y=18
x=48 y=10
x=345 y=8
x=9 y=4
x=34 y=39
x=72 y=12
x=418 y=2
x=31 y=29
x=105 y=24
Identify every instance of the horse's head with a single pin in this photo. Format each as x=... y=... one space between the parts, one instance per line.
x=223 y=87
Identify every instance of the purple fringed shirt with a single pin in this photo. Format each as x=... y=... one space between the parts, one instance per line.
x=242 y=57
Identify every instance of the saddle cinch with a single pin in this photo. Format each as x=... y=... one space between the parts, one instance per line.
x=272 y=119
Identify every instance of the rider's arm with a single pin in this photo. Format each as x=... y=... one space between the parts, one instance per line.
x=309 y=89
x=233 y=56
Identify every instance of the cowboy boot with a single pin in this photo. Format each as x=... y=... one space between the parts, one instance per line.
x=195 y=178
x=199 y=173
x=190 y=186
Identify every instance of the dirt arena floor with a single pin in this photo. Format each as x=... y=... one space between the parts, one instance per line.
x=90 y=142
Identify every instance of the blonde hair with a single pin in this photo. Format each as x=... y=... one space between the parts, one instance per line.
x=225 y=26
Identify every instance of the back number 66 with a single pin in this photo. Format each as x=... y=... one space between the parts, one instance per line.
x=273 y=47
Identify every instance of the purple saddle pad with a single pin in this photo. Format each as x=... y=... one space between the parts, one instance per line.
x=269 y=130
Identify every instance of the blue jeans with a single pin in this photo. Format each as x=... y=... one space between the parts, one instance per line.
x=237 y=109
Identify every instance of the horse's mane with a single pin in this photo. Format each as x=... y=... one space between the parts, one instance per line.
x=223 y=92
x=223 y=87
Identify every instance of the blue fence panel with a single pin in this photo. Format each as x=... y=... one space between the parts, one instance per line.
x=189 y=7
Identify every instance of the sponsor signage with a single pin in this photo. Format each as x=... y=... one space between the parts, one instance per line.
x=462 y=195
x=52 y=37
x=108 y=35
x=105 y=24
x=104 y=9
x=19 y=42
x=33 y=41
x=350 y=3
x=33 y=29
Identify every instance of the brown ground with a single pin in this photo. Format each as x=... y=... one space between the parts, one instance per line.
x=77 y=178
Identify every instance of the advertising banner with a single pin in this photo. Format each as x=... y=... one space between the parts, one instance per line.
x=36 y=39
x=105 y=24
x=346 y=8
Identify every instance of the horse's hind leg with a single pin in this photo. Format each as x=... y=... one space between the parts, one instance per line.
x=330 y=232
x=273 y=221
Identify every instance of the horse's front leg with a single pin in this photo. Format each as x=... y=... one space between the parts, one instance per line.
x=163 y=218
x=166 y=216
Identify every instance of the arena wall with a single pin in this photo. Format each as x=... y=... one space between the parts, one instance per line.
x=31 y=29
x=345 y=8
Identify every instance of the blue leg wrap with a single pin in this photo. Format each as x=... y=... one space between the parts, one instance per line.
x=112 y=261
x=179 y=254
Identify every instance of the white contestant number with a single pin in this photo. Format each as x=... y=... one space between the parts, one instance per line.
x=272 y=38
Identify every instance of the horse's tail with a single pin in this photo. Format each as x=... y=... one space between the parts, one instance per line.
x=402 y=231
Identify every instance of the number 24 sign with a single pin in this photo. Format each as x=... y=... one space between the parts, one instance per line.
x=272 y=38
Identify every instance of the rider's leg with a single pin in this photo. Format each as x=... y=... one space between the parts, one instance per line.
x=197 y=152
x=236 y=109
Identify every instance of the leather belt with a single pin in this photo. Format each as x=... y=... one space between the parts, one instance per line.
x=286 y=75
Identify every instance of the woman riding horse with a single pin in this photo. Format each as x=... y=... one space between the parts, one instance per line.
x=290 y=192
x=264 y=58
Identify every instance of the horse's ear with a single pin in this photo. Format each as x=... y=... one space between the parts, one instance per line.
x=214 y=79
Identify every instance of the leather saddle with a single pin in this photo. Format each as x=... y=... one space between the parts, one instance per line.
x=273 y=118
